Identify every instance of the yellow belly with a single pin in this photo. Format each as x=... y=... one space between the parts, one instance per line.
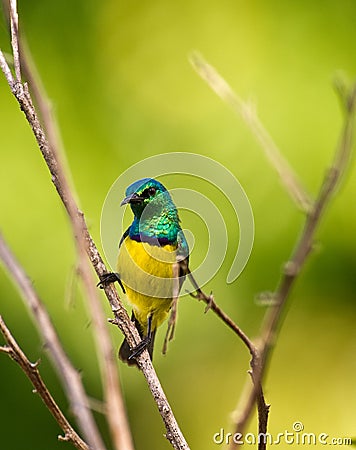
x=146 y=272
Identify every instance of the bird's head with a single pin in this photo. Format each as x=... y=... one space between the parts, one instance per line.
x=147 y=191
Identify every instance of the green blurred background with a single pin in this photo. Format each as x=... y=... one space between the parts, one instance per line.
x=122 y=89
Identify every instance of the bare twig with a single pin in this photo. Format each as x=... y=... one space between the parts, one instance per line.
x=247 y=111
x=6 y=70
x=31 y=371
x=262 y=407
x=85 y=243
x=70 y=377
x=211 y=304
x=274 y=314
x=314 y=212
x=305 y=242
x=14 y=26
x=115 y=407
x=115 y=410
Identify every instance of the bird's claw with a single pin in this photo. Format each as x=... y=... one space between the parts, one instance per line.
x=140 y=347
x=110 y=277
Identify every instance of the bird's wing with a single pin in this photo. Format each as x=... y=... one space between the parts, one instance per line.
x=124 y=236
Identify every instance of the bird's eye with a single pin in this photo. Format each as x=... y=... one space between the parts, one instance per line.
x=151 y=191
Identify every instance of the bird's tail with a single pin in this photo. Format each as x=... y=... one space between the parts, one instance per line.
x=125 y=351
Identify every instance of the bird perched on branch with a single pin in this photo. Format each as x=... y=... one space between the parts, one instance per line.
x=153 y=259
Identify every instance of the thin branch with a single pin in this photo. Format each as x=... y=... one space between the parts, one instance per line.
x=262 y=407
x=21 y=92
x=305 y=243
x=314 y=212
x=115 y=407
x=115 y=410
x=14 y=26
x=6 y=70
x=68 y=374
x=31 y=371
x=248 y=113
x=211 y=304
x=274 y=314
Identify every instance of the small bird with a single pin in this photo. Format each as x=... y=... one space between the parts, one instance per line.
x=149 y=250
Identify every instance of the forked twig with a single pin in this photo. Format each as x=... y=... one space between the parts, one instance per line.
x=314 y=211
x=69 y=376
x=304 y=246
x=14 y=351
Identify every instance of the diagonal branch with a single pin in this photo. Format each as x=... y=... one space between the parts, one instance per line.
x=211 y=304
x=32 y=373
x=86 y=245
x=248 y=113
x=305 y=243
x=69 y=375
x=314 y=210
x=274 y=314
x=262 y=407
x=6 y=70
x=14 y=27
x=115 y=409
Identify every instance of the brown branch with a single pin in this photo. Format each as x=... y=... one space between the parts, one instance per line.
x=14 y=27
x=248 y=113
x=314 y=210
x=68 y=374
x=6 y=70
x=115 y=410
x=31 y=371
x=262 y=407
x=274 y=314
x=86 y=244
x=211 y=304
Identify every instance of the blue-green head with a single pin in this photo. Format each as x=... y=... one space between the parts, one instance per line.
x=156 y=215
x=148 y=191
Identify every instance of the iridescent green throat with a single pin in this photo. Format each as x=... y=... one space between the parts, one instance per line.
x=157 y=221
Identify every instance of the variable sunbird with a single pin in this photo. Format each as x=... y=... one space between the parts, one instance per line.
x=149 y=250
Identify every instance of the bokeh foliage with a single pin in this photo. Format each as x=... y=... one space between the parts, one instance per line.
x=122 y=89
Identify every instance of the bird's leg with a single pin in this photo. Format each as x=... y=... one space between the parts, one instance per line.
x=140 y=347
x=110 y=277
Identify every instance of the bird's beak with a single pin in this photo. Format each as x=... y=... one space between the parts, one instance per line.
x=133 y=198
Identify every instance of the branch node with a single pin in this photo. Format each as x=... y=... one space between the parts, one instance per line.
x=64 y=438
x=291 y=269
x=210 y=301
x=5 y=349
x=165 y=410
x=113 y=321
x=35 y=364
